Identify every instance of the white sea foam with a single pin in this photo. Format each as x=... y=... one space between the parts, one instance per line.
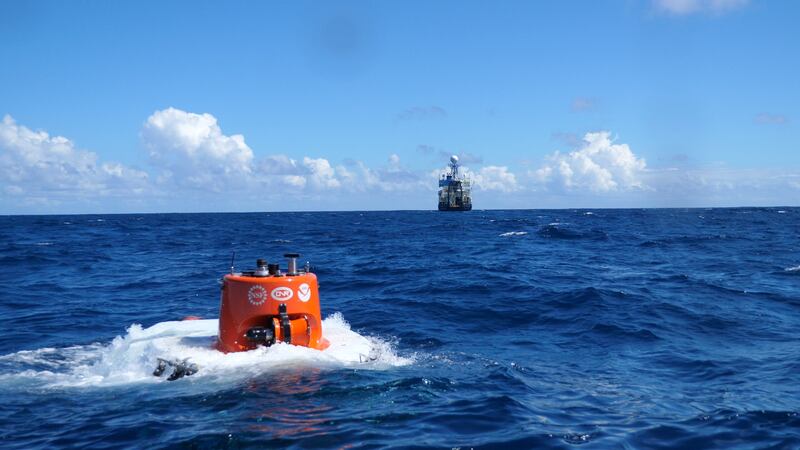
x=130 y=359
x=514 y=233
x=792 y=269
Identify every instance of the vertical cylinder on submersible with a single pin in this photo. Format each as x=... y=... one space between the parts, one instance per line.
x=292 y=263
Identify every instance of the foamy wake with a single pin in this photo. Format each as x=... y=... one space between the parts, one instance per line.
x=131 y=358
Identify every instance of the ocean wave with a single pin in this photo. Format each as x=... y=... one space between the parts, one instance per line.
x=609 y=330
x=723 y=429
x=558 y=231
x=688 y=239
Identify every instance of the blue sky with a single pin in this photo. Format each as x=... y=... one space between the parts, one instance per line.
x=248 y=106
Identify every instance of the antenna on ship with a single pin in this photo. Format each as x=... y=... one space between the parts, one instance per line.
x=454 y=166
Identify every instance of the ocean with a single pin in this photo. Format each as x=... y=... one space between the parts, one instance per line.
x=637 y=328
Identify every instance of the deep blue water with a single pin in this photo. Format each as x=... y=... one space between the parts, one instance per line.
x=526 y=329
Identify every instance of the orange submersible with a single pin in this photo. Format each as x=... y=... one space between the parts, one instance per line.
x=264 y=306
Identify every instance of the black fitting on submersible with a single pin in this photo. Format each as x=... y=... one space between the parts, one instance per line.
x=261 y=268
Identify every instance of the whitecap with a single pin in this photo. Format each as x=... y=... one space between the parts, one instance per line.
x=130 y=359
x=514 y=233
x=792 y=269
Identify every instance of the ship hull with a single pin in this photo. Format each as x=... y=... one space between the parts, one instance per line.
x=455 y=208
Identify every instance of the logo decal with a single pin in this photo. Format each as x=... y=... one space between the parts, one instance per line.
x=304 y=292
x=281 y=293
x=257 y=295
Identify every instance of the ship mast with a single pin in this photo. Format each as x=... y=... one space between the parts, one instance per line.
x=454 y=166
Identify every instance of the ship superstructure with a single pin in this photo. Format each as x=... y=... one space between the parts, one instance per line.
x=454 y=190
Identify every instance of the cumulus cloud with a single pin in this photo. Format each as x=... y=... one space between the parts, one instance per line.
x=393 y=177
x=598 y=165
x=192 y=150
x=35 y=164
x=321 y=175
x=494 y=178
x=686 y=7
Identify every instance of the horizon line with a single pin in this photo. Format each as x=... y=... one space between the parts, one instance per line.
x=400 y=210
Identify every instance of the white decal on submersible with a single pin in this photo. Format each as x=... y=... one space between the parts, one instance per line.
x=281 y=293
x=304 y=292
x=257 y=295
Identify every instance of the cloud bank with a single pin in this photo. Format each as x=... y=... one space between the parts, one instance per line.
x=36 y=168
x=196 y=166
x=191 y=150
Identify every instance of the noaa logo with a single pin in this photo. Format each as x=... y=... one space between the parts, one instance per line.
x=257 y=295
x=304 y=292
x=281 y=293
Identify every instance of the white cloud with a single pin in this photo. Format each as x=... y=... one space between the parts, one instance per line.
x=598 y=165
x=686 y=7
x=197 y=167
x=192 y=150
x=321 y=175
x=358 y=177
x=35 y=164
x=494 y=178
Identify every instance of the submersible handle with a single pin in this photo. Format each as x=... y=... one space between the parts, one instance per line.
x=291 y=268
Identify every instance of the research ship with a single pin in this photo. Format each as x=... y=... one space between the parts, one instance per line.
x=454 y=190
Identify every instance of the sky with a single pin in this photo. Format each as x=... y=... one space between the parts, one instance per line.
x=114 y=107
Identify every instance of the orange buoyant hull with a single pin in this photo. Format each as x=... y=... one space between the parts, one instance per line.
x=264 y=310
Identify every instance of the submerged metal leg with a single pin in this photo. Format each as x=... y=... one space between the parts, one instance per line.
x=181 y=368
